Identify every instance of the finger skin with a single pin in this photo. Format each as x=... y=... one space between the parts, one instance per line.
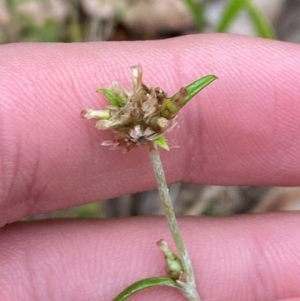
x=242 y=129
x=238 y=258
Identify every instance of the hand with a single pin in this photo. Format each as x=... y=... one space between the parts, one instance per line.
x=243 y=129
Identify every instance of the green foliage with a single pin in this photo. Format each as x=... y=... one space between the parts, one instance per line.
x=111 y=97
x=234 y=7
x=162 y=142
x=229 y=14
x=73 y=29
x=51 y=30
x=143 y=284
x=48 y=32
x=198 y=85
x=198 y=14
x=88 y=211
x=92 y=210
x=262 y=25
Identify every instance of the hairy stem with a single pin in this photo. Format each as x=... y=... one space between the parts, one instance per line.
x=189 y=287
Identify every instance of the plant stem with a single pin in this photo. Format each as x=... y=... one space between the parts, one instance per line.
x=189 y=287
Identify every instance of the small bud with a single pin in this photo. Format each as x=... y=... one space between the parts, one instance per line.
x=179 y=97
x=162 y=122
x=113 y=99
x=174 y=267
x=137 y=73
x=103 y=124
x=95 y=114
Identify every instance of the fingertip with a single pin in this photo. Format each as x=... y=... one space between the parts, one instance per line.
x=241 y=130
x=235 y=258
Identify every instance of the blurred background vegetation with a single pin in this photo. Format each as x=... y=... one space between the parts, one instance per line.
x=119 y=20
x=90 y=20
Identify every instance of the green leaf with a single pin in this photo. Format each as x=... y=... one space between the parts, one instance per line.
x=229 y=14
x=110 y=96
x=198 y=13
x=162 y=142
x=198 y=85
x=260 y=22
x=143 y=284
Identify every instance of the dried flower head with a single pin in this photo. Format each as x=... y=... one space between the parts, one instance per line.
x=143 y=114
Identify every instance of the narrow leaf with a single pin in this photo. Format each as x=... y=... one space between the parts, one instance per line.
x=110 y=96
x=229 y=14
x=162 y=142
x=198 y=85
x=143 y=284
x=198 y=13
x=260 y=22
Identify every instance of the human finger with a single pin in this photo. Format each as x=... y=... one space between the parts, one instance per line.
x=235 y=258
x=243 y=129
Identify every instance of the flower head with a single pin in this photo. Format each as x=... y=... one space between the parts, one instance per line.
x=141 y=115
